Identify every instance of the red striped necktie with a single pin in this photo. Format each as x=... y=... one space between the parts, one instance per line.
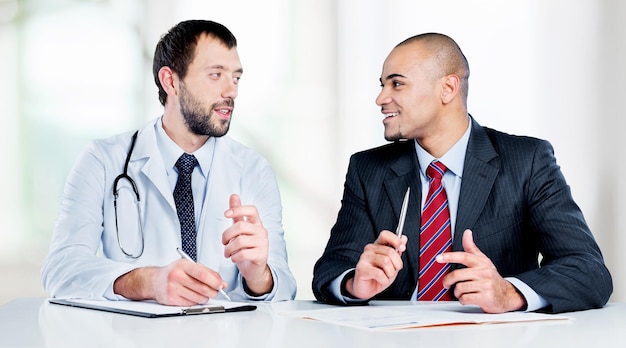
x=435 y=237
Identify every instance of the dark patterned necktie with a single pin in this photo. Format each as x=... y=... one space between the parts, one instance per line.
x=183 y=198
x=435 y=237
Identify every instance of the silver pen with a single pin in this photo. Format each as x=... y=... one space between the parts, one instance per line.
x=405 y=206
x=184 y=255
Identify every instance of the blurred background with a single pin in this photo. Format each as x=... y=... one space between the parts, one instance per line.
x=74 y=70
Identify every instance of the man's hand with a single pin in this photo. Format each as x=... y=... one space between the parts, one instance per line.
x=181 y=283
x=246 y=244
x=378 y=266
x=480 y=283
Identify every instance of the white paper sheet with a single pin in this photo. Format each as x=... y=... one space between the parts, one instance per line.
x=418 y=315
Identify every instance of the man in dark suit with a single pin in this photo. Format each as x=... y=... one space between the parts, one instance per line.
x=518 y=239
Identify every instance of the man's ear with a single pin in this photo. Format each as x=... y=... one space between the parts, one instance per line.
x=450 y=88
x=168 y=80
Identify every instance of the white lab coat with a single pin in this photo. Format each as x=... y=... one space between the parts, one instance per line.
x=85 y=257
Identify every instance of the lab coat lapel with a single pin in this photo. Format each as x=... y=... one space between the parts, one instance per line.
x=224 y=179
x=153 y=169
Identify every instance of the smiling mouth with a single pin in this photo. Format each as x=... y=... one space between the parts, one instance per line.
x=225 y=113
x=391 y=114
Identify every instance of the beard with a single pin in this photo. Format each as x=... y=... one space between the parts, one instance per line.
x=393 y=135
x=200 y=120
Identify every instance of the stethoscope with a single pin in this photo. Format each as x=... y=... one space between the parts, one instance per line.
x=125 y=176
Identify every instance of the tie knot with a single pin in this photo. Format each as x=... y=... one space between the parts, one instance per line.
x=186 y=163
x=436 y=170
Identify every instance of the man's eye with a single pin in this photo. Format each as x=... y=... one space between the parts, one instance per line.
x=396 y=83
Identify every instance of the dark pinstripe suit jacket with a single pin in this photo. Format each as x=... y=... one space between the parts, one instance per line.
x=513 y=197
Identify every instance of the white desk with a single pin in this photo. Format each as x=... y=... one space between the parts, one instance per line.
x=32 y=322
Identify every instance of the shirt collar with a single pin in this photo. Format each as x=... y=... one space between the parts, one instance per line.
x=454 y=159
x=170 y=151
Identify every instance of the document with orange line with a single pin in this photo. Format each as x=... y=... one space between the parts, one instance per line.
x=376 y=316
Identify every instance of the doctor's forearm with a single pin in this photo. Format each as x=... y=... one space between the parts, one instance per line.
x=136 y=284
x=260 y=285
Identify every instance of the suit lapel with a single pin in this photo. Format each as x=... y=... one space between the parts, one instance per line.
x=405 y=173
x=479 y=173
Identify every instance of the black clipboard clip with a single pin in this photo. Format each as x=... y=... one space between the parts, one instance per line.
x=204 y=310
x=217 y=309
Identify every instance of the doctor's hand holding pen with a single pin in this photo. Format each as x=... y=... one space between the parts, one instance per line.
x=184 y=282
x=181 y=283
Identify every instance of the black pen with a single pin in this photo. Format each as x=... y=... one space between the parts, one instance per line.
x=186 y=257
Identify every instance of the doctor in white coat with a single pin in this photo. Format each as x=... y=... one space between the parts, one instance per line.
x=105 y=247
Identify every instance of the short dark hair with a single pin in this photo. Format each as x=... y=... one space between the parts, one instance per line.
x=177 y=47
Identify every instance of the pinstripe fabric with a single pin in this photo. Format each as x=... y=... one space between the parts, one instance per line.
x=435 y=237
x=513 y=197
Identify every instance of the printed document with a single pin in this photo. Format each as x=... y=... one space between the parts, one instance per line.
x=417 y=315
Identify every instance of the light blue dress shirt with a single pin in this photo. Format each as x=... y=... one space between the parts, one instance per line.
x=199 y=177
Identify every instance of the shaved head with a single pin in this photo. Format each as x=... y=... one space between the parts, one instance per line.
x=446 y=56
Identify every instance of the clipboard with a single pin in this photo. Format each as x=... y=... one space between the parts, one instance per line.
x=152 y=309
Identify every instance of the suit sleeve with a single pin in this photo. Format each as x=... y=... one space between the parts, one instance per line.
x=572 y=275
x=351 y=232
